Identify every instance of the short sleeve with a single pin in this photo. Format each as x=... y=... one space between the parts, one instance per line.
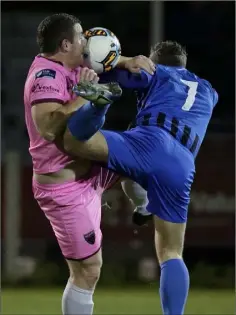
x=48 y=86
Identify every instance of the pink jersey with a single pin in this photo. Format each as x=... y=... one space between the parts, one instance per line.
x=47 y=81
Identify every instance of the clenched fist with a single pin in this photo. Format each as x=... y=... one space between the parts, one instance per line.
x=87 y=75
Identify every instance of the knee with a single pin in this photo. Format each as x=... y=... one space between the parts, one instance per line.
x=90 y=274
x=85 y=274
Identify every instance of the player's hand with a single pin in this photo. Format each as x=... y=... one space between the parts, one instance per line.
x=138 y=63
x=88 y=75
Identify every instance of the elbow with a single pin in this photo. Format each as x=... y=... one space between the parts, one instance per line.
x=49 y=136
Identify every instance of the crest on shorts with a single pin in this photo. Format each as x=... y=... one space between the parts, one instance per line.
x=90 y=237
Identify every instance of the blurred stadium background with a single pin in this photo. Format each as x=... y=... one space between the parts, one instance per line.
x=33 y=271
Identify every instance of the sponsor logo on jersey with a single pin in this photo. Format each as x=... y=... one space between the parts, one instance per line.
x=49 y=73
x=43 y=88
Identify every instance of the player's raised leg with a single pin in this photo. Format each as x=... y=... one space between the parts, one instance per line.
x=84 y=123
x=94 y=149
x=88 y=119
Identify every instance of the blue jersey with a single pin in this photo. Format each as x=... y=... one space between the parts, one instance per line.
x=174 y=99
x=174 y=109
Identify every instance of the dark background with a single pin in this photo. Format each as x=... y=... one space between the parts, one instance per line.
x=207 y=30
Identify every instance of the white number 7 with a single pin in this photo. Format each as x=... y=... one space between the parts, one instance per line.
x=191 y=94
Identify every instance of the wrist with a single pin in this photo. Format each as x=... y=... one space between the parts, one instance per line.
x=122 y=62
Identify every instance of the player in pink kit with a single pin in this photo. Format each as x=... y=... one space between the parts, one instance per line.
x=46 y=84
x=68 y=190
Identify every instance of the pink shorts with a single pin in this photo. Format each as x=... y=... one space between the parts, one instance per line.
x=74 y=211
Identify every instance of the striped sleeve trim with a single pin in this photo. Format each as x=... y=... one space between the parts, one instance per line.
x=47 y=100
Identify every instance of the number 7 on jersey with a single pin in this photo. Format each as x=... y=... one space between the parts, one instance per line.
x=191 y=94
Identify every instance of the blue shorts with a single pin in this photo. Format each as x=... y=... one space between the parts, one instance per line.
x=159 y=163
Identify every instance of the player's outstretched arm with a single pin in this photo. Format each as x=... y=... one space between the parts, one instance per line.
x=136 y=64
x=126 y=79
x=131 y=73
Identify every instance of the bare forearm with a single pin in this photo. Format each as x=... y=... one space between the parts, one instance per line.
x=122 y=62
x=137 y=63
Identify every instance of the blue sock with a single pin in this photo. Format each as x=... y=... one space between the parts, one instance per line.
x=86 y=121
x=174 y=286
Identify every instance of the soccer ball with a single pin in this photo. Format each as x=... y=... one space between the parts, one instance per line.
x=102 y=50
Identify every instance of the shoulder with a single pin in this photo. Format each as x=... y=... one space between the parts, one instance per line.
x=164 y=71
x=44 y=85
x=48 y=73
x=206 y=84
x=45 y=78
x=207 y=87
x=42 y=69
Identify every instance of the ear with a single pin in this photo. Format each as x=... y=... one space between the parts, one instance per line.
x=65 y=45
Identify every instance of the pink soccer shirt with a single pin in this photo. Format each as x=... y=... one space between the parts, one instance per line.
x=47 y=81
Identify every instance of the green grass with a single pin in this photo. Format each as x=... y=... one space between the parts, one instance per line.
x=127 y=301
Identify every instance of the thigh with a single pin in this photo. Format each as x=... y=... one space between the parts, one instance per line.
x=75 y=218
x=167 y=202
x=169 y=185
x=128 y=154
x=94 y=149
x=169 y=239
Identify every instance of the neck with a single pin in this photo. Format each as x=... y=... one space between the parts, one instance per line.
x=59 y=58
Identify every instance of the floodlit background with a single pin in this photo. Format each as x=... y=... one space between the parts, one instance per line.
x=33 y=271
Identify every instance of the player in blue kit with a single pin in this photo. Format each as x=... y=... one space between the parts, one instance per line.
x=174 y=109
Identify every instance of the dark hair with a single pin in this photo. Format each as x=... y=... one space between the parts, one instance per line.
x=169 y=53
x=53 y=29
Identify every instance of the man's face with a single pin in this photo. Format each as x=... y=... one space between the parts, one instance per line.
x=77 y=47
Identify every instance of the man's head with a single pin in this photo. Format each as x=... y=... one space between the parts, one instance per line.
x=61 y=34
x=169 y=54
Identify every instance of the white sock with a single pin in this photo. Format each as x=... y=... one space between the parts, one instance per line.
x=137 y=195
x=142 y=210
x=76 y=301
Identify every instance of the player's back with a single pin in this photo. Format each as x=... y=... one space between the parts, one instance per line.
x=180 y=102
